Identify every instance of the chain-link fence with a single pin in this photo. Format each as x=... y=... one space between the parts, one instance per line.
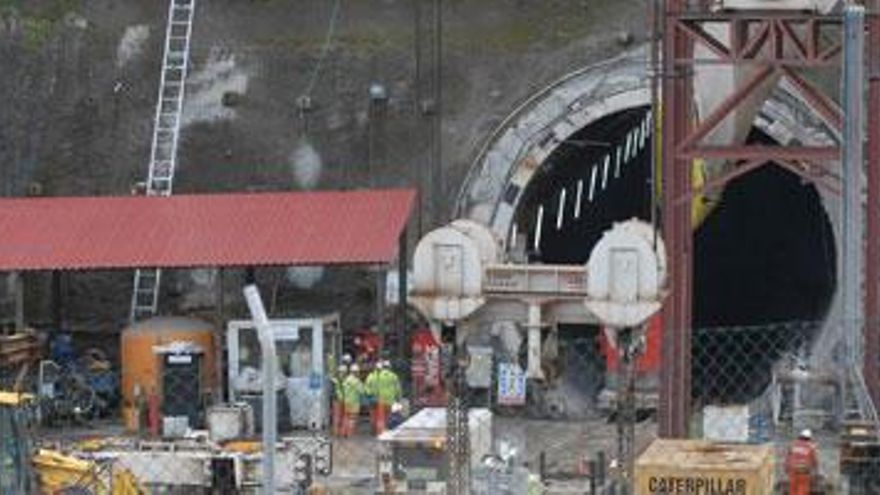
x=784 y=403
x=754 y=390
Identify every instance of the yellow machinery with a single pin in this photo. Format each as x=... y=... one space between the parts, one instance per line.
x=21 y=470
x=55 y=472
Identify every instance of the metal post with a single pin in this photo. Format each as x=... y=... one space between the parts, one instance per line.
x=853 y=135
x=626 y=418
x=457 y=425
x=600 y=472
x=437 y=180
x=675 y=374
x=270 y=422
x=655 y=19
x=57 y=303
x=381 y=327
x=220 y=316
x=872 y=254
x=18 y=283
x=593 y=472
x=402 y=291
x=542 y=464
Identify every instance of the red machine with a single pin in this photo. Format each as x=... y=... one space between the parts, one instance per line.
x=647 y=367
x=427 y=381
x=648 y=361
x=367 y=343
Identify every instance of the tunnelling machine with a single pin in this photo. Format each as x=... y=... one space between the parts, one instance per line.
x=463 y=280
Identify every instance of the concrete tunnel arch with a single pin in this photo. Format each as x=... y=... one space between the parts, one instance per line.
x=511 y=158
x=519 y=145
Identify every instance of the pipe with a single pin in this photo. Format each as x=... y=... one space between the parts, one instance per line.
x=853 y=158
x=318 y=351
x=270 y=422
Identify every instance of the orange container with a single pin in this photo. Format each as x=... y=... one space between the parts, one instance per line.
x=140 y=365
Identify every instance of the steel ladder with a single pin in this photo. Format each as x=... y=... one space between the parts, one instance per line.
x=166 y=135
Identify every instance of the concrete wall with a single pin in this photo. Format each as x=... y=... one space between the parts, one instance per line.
x=79 y=81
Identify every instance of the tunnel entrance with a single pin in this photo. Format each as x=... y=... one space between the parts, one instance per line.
x=764 y=254
x=763 y=257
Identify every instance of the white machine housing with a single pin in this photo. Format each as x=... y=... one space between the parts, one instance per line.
x=626 y=273
x=448 y=269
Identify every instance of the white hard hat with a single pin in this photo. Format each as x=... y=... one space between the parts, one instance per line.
x=806 y=434
x=342 y=368
x=396 y=407
x=355 y=368
x=346 y=358
x=386 y=363
x=380 y=365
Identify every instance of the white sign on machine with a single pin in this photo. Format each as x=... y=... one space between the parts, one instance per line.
x=511 y=385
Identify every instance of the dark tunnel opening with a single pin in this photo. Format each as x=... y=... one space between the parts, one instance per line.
x=763 y=256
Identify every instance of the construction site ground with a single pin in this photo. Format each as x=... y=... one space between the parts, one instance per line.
x=564 y=444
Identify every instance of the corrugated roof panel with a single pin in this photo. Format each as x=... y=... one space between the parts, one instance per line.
x=305 y=228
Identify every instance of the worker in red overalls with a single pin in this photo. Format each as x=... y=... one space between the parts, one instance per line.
x=338 y=399
x=802 y=464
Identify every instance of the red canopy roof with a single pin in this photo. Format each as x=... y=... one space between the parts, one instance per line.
x=306 y=228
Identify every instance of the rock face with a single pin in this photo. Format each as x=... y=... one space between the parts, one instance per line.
x=80 y=78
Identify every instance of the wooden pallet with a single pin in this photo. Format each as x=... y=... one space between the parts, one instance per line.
x=19 y=353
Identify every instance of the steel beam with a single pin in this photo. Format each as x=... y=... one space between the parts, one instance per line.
x=799 y=169
x=793 y=38
x=699 y=34
x=724 y=109
x=798 y=17
x=675 y=373
x=754 y=45
x=827 y=108
x=755 y=152
x=402 y=303
x=726 y=177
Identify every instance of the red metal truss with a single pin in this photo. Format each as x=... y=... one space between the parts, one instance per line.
x=872 y=248
x=823 y=105
x=779 y=43
x=791 y=38
x=677 y=87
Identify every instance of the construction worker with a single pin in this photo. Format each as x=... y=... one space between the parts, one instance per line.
x=353 y=390
x=802 y=464
x=371 y=388
x=387 y=393
x=338 y=394
x=534 y=485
